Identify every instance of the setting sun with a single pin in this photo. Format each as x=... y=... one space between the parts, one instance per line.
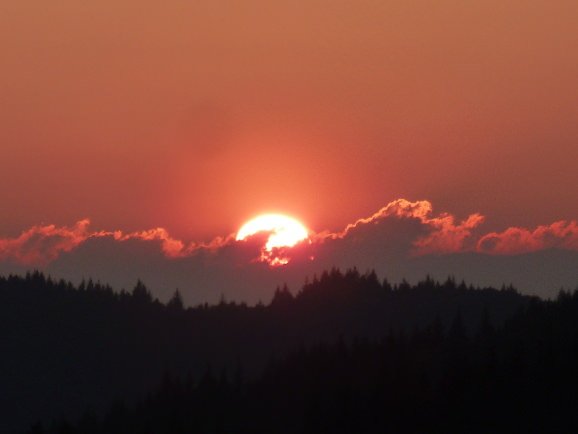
x=285 y=231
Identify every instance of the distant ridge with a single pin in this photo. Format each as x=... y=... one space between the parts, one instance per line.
x=531 y=273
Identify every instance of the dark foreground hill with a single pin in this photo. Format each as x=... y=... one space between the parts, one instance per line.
x=518 y=378
x=68 y=350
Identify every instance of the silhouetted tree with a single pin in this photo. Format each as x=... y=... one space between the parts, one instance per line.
x=140 y=293
x=176 y=302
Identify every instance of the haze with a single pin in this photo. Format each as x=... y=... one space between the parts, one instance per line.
x=195 y=116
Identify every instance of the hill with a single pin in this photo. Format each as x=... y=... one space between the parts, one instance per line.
x=67 y=349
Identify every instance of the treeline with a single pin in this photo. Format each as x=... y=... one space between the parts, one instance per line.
x=519 y=377
x=66 y=348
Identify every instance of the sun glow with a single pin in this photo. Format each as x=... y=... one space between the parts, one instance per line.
x=284 y=232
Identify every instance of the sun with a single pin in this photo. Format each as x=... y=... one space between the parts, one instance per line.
x=285 y=231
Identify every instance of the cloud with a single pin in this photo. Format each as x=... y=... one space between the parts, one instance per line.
x=446 y=236
x=40 y=245
x=171 y=247
x=402 y=239
x=401 y=208
x=432 y=234
x=401 y=227
x=562 y=234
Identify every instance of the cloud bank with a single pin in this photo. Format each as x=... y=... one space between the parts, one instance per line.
x=401 y=235
x=562 y=234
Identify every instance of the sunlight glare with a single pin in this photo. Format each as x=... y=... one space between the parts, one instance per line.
x=285 y=231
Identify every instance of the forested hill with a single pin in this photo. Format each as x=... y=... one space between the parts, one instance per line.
x=518 y=378
x=66 y=349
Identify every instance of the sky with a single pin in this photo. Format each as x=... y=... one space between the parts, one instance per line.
x=195 y=116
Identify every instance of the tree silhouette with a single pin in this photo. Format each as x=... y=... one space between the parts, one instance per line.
x=347 y=353
x=176 y=302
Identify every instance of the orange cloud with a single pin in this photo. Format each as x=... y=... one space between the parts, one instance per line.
x=171 y=247
x=447 y=236
x=399 y=208
x=40 y=245
x=562 y=234
x=439 y=234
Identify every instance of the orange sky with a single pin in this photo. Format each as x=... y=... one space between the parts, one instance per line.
x=198 y=115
